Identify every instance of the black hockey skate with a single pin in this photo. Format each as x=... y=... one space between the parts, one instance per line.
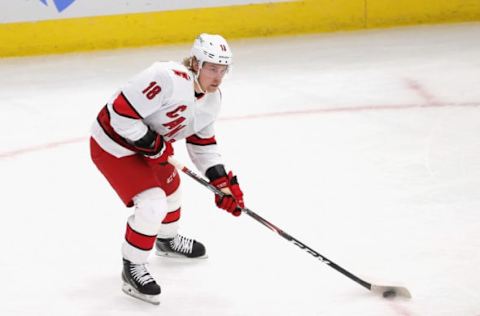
x=180 y=247
x=139 y=283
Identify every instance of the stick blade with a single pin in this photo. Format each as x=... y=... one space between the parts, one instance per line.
x=387 y=291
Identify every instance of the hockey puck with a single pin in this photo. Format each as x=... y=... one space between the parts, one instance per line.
x=389 y=294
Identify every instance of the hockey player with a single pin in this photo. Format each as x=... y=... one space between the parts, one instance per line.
x=132 y=140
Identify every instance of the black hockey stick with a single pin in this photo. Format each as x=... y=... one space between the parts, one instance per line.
x=382 y=290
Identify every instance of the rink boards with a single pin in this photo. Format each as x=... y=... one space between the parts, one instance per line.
x=58 y=26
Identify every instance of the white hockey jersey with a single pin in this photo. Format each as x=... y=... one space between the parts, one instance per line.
x=162 y=98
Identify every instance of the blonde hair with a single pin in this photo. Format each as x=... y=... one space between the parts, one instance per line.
x=188 y=62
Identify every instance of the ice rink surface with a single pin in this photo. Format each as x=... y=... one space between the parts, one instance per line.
x=363 y=145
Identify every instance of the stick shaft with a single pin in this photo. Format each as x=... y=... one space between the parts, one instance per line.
x=274 y=228
x=306 y=248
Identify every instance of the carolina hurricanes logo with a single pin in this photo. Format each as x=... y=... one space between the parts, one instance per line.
x=59 y=4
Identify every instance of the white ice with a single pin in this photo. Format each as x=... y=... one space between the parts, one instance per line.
x=363 y=145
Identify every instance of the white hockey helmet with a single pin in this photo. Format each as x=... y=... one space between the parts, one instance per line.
x=211 y=48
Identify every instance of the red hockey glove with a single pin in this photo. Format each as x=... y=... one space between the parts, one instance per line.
x=232 y=201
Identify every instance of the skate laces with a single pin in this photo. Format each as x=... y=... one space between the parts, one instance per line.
x=140 y=274
x=182 y=244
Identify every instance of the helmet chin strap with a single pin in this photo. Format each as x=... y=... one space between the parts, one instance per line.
x=196 y=79
x=199 y=86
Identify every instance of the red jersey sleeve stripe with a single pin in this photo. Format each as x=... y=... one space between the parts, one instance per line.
x=195 y=140
x=124 y=108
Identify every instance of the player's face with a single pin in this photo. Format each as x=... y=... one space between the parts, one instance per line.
x=211 y=76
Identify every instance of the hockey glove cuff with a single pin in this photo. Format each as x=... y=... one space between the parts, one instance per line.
x=154 y=147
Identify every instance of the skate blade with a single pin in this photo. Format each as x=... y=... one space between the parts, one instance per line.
x=129 y=290
x=178 y=256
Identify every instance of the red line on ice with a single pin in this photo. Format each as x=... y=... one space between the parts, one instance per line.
x=400 y=309
x=422 y=91
x=21 y=151
x=348 y=109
